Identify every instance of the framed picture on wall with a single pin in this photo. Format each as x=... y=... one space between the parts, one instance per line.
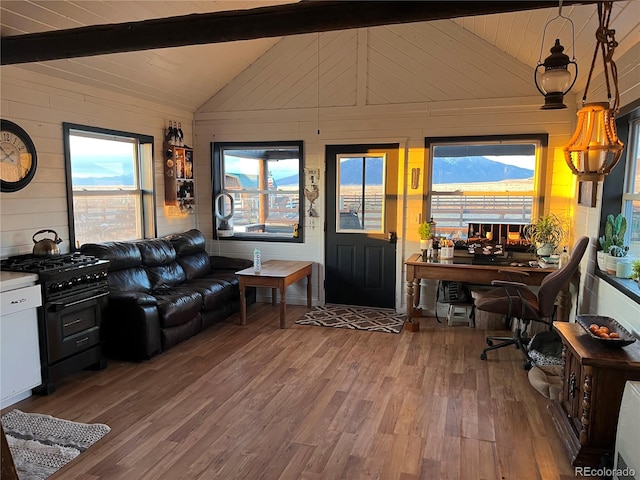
x=587 y=193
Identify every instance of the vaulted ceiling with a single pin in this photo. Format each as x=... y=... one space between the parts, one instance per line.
x=187 y=76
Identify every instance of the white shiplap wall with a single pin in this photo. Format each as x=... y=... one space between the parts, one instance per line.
x=393 y=103
x=40 y=104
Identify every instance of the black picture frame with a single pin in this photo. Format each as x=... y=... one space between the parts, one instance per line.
x=587 y=193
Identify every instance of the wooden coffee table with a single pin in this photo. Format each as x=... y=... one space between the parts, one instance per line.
x=277 y=274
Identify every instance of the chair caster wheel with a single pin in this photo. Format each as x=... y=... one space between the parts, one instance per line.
x=489 y=342
x=483 y=356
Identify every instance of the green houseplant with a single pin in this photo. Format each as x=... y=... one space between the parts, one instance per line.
x=424 y=230
x=635 y=271
x=612 y=242
x=546 y=234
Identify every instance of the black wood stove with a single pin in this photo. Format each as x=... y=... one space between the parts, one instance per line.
x=74 y=289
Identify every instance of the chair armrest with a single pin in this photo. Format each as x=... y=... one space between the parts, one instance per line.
x=507 y=283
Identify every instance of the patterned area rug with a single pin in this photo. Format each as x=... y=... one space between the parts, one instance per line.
x=41 y=444
x=355 y=318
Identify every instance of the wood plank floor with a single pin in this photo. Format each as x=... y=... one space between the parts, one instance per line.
x=259 y=402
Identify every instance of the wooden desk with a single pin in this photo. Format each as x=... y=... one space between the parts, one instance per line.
x=460 y=269
x=277 y=274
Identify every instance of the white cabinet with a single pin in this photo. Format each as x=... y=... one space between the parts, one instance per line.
x=20 y=298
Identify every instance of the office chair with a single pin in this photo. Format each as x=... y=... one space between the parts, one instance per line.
x=516 y=301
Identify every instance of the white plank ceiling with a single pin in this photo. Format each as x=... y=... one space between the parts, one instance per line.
x=186 y=77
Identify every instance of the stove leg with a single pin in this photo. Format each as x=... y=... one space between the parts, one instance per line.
x=44 y=389
x=99 y=365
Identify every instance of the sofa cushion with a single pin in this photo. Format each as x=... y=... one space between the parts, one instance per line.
x=176 y=308
x=196 y=265
x=215 y=292
x=129 y=280
x=121 y=255
x=188 y=243
x=166 y=276
x=156 y=251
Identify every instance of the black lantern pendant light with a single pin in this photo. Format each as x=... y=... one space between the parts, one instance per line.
x=555 y=82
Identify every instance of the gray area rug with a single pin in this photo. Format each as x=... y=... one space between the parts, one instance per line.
x=355 y=318
x=41 y=444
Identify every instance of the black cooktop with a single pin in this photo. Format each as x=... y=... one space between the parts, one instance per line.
x=33 y=264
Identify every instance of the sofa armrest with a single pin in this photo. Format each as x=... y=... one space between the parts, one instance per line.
x=131 y=326
x=229 y=263
x=133 y=298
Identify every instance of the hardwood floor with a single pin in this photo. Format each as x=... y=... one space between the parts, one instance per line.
x=259 y=402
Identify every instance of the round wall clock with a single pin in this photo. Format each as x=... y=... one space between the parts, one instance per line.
x=18 y=157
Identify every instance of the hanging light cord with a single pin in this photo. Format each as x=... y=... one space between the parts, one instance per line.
x=606 y=42
x=573 y=36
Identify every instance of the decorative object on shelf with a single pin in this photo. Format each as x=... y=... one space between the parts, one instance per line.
x=311 y=196
x=179 y=184
x=546 y=234
x=595 y=147
x=614 y=230
x=19 y=158
x=556 y=81
x=605 y=330
x=616 y=253
x=224 y=215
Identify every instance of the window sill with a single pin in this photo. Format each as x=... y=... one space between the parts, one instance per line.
x=625 y=286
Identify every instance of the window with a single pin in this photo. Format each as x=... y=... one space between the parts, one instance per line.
x=258 y=190
x=631 y=193
x=360 y=194
x=109 y=184
x=484 y=180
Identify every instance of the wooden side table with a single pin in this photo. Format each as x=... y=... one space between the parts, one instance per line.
x=593 y=381
x=277 y=274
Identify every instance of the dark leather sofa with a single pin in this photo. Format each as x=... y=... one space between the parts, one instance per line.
x=163 y=291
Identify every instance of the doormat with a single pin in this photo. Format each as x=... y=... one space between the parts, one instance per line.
x=355 y=318
x=41 y=444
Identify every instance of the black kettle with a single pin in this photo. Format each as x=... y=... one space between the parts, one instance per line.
x=46 y=247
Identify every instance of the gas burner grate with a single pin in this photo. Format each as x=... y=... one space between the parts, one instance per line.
x=32 y=263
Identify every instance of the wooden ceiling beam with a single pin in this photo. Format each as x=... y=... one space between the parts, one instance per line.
x=234 y=25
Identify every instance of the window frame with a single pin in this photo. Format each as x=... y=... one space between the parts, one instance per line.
x=217 y=173
x=144 y=171
x=614 y=187
x=541 y=139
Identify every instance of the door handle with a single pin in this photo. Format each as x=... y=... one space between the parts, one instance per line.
x=392 y=237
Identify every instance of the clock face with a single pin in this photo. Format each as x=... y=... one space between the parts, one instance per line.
x=17 y=157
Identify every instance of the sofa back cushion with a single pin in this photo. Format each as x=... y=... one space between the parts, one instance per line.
x=188 y=243
x=196 y=265
x=159 y=260
x=125 y=265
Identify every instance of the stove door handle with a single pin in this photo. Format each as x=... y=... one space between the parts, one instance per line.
x=60 y=306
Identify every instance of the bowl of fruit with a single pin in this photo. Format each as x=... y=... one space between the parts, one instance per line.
x=605 y=330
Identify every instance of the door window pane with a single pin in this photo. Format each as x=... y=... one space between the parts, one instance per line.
x=360 y=193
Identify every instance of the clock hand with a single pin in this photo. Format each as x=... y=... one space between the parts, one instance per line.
x=7 y=155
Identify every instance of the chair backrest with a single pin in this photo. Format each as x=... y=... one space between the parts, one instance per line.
x=554 y=282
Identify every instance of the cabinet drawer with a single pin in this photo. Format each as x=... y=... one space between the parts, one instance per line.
x=20 y=299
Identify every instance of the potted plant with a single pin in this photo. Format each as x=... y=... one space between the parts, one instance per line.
x=635 y=271
x=616 y=255
x=546 y=234
x=426 y=240
x=614 y=230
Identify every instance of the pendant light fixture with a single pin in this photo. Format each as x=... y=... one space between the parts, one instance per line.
x=595 y=147
x=555 y=82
